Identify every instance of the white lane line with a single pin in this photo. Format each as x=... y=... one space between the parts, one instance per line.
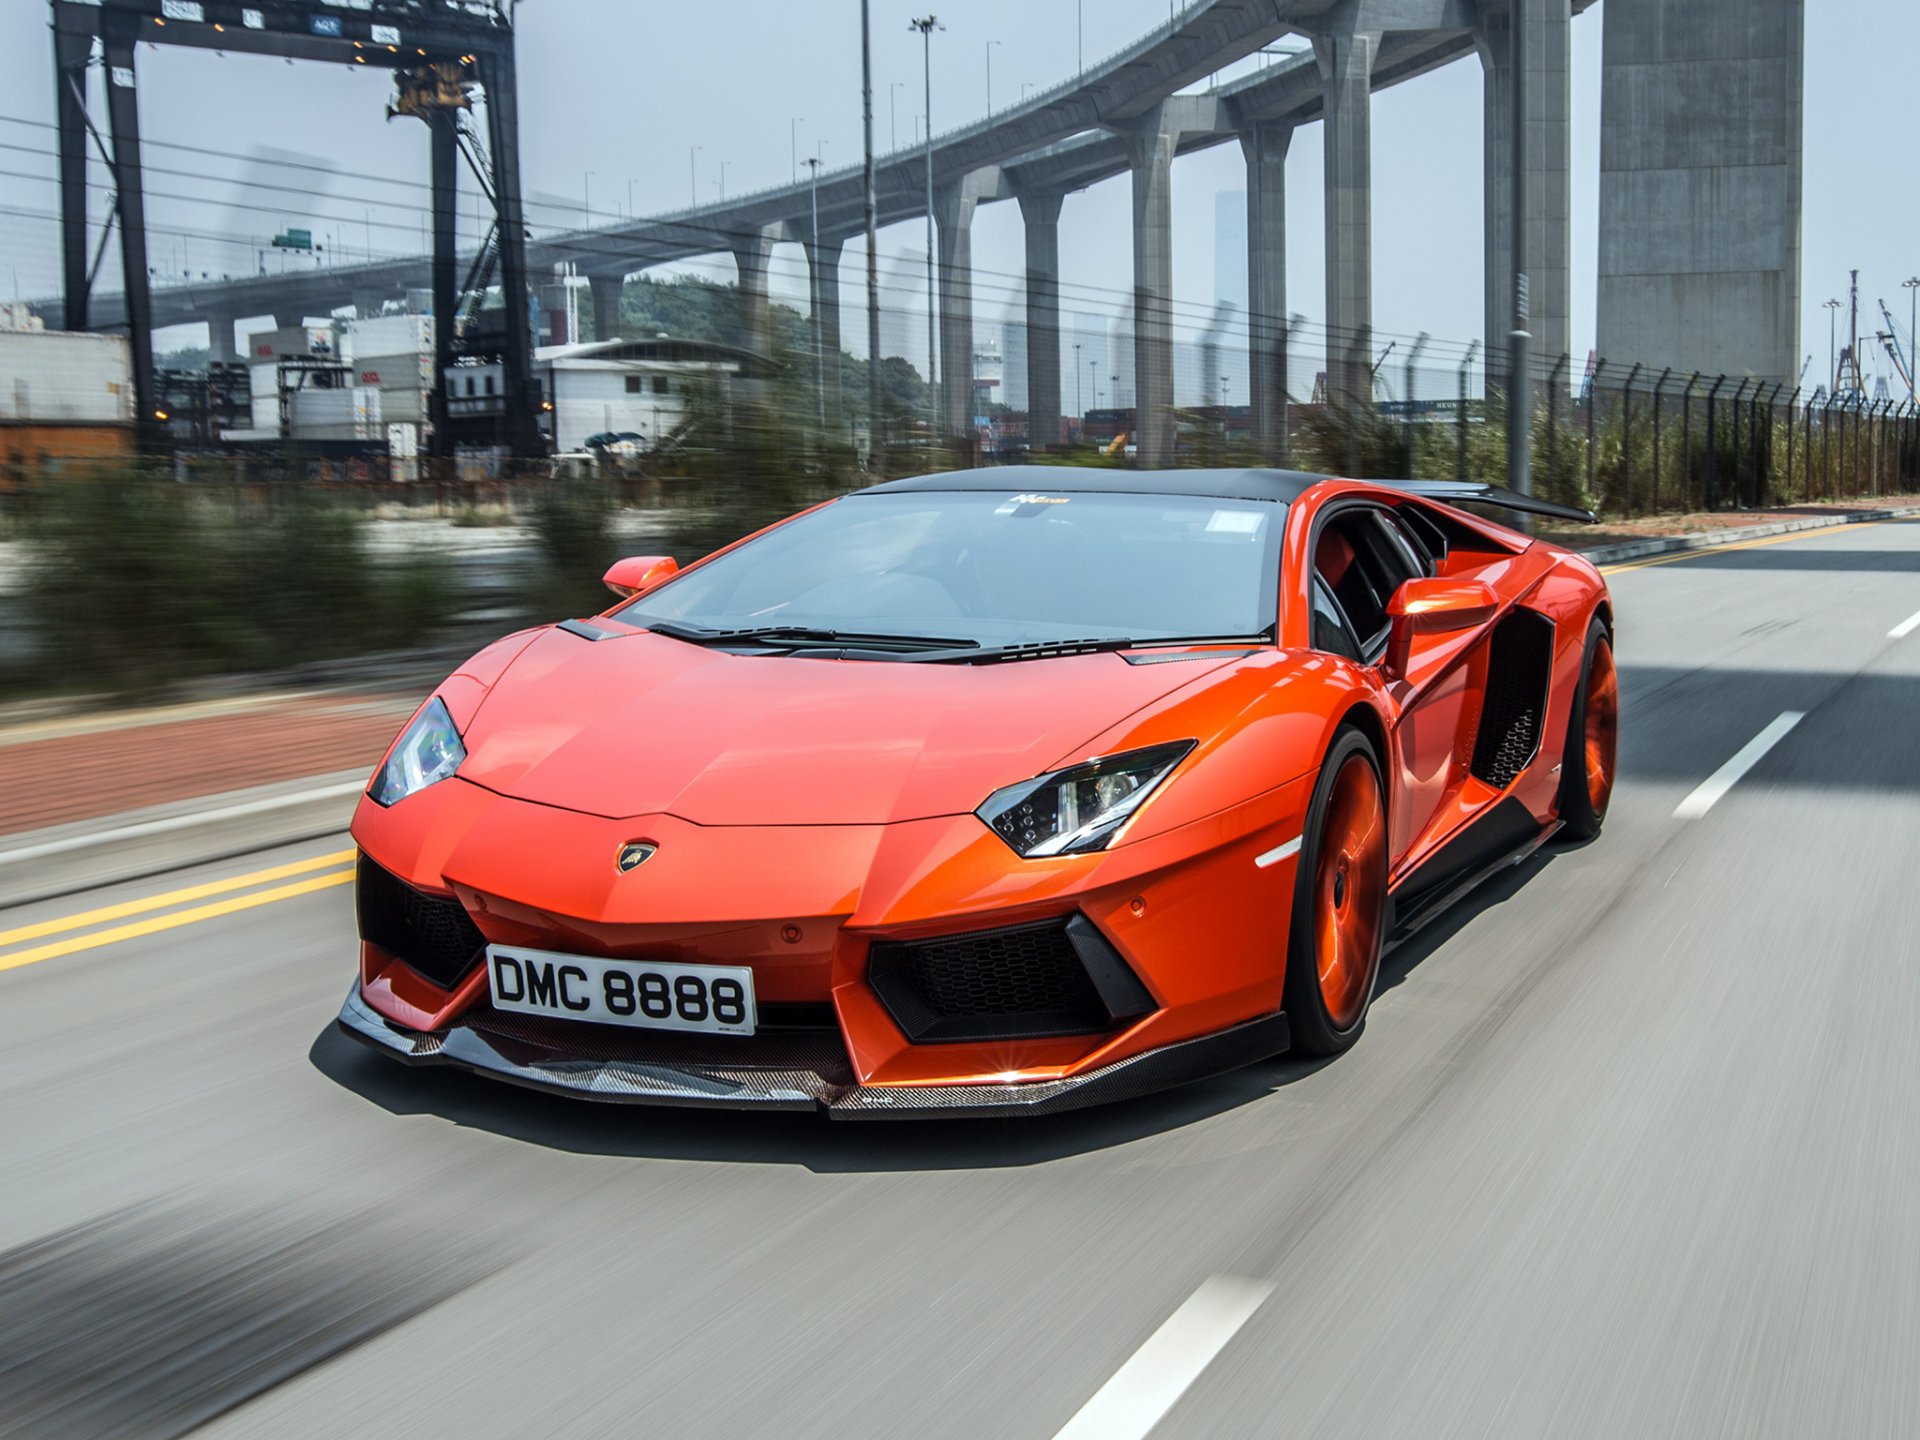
x=1159 y=1372
x=1279 y=853
x=1722 y=780
x=1905 y=628
x=181 y=822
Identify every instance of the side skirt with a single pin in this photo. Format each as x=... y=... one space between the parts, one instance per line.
x=1506 y=835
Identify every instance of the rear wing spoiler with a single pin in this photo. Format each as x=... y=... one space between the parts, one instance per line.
x=1452 y=492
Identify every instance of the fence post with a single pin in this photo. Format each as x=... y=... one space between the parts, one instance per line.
x=1554 y=383
x=1626 y=439
x=1460 y=415
x=1593 y=403
x=1686 y=441
x=1413 y=355
x=1659 y=386
x=1711 y=480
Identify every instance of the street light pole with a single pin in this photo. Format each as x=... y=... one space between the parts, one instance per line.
x=875 y=456
x=926 y=25
x=586 y=200
x=1833 y=358
x=1519 y=342
x=1079 y=396
x=819 y=284
x=693 y=176
x=792 y=126
x=1912 y=286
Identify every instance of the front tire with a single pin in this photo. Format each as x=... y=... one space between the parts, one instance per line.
x=1593 y=739
x=1339 y=900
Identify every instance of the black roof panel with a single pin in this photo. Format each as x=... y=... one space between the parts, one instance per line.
x=1281 y=486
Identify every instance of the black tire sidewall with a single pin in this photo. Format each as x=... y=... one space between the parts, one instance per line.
x=1579 y=820
x=1313 y=1030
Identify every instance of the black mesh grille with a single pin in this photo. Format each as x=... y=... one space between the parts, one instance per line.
x=432 y=933
x=1520 y=656
x=1025 y=981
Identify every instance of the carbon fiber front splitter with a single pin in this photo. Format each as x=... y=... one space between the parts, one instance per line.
x=788 y=1087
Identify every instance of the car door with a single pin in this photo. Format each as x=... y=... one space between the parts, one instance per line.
x=1362 y=555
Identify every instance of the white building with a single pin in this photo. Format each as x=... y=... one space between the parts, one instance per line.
x=632 y=387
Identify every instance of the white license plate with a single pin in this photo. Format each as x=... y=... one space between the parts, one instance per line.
x=717 y=999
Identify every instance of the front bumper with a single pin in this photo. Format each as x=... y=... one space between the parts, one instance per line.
x=803 y=1071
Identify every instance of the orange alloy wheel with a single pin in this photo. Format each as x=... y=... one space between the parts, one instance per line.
x=1349 y=887
x=1603 y=726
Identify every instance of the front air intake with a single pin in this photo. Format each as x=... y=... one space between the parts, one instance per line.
x=1021 y=982
x=432 y=933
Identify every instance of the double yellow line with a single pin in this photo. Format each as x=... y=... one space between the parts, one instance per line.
x=322 y=872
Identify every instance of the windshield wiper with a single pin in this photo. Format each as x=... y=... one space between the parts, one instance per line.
x=796 y=637
x=1094 y=645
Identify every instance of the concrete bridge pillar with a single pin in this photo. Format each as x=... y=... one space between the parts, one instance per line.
x=953 y=207
x=221 y=348
x=823 y=291
x=1549 y=259
x=1265 y=145
x=750 y=256
x=1150 y=149
x=1346 y=59
x=607 y=292
x=1040 y=212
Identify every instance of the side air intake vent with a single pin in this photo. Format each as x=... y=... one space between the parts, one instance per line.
x=1056 y=977
x=432 y=933
x=1519 y=661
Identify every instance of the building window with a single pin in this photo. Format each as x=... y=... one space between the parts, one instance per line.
x=633 y=384
x=659 y=384
x=469 y=387
x=490 y=383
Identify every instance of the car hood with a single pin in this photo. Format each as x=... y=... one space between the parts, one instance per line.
x=642 y=725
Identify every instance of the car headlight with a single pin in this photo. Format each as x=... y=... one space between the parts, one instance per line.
x=428 y=751
x=1082 y=807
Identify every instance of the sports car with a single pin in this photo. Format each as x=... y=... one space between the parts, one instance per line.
x=996 y=791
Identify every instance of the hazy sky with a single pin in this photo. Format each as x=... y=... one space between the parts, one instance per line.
x=615 y=91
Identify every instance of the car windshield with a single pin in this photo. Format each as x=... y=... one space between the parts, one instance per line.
x=995 y=569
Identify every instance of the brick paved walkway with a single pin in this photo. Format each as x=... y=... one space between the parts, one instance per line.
x=87 y=767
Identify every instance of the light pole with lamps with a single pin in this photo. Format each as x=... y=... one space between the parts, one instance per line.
x=1833 y=357
x=926 y=25
x=586 y=198
x=1079 y=396
x=693 y=176
x=1912 y=286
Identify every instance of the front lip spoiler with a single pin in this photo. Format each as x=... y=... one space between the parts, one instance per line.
x=639 y=1083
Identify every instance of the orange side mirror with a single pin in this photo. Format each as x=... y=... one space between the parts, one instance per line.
x=630 y=576
x=1433 y=605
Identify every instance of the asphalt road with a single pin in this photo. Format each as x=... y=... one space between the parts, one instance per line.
x=1630 y=1148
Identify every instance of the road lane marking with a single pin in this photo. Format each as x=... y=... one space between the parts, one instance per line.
x=171 y=922
x=171 y=898
x=1722 y=780
x=180 y=822
x=1144 y=1389
x=1677 y=556
x=1905 y=628
x=1272 y=857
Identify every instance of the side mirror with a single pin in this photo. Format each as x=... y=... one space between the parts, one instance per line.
x=630 y=576
x=1433 y=605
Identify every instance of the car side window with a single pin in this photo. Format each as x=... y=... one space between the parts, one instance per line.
x=1362 y=563
x=1331 y=632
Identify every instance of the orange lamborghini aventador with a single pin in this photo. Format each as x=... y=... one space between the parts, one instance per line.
x=997 y=791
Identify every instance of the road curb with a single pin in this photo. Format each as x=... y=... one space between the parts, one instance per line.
x=1674 y=544
x=62 y=859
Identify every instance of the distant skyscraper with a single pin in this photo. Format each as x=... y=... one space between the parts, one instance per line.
x=1013 y=359
x=1116 y=385
x=1230 y=248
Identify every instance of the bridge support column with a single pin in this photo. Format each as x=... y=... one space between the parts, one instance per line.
x=823 y=295
x=1346 y=59
x=953 y=207
x=1040 y=212
x=221 y=349
x=72 y=50
x=607 y=292
x=1150 y=149
x=750 y=257
x=1265 y=145
x=123 y=111
x=1549 y=262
